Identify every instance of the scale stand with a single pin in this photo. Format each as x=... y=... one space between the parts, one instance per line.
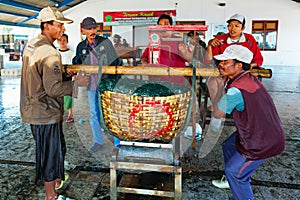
x=137 y=157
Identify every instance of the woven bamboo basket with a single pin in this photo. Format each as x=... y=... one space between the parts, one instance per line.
x=138 y=118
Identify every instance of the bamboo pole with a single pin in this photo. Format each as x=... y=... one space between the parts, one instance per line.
x=158 y=71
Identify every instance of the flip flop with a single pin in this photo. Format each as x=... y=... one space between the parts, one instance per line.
x=70 y=120
x=62 y=182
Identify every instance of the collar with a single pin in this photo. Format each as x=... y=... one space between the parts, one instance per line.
x=44 y=38
x=237 y=77
x=93 y=44
x=241 y=39
x=63 y=50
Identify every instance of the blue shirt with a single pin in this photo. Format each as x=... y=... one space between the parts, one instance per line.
x=233 y=99
x=94 y=61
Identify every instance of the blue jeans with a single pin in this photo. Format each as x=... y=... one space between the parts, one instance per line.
x=238 y=170
x=95 y=116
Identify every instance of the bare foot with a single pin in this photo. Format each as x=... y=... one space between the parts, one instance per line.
x=57 y=183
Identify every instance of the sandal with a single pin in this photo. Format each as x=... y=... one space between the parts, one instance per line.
x=70 y=120
x=61 y=184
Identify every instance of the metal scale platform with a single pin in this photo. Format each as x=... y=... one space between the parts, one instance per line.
x=137 y=157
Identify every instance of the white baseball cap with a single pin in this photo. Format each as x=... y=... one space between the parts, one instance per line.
x=48 y=14
x=237 y=52
x=237 y=17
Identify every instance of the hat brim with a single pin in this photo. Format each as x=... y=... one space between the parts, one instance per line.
x=223 y=57
x=230 y=20
x=64 y=20
x=60 y=20
x=90 y=26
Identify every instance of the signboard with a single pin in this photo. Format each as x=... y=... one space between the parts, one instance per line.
x=154 y=36
x=221 y=28
x=135 y=18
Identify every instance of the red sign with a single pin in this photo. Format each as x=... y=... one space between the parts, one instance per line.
x=178 y=28
x=121 y=18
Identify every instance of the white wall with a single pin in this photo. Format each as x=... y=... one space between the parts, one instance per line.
x=286 y=11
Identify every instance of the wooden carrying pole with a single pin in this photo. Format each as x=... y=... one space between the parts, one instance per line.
x=158 y=71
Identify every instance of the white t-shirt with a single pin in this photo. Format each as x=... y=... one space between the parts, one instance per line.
x=66 y=56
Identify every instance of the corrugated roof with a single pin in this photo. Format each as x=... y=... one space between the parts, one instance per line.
x=24 y=12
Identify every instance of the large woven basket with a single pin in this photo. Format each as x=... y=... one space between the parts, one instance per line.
x=137 y=118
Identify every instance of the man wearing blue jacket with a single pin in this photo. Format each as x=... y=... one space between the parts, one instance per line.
x=91 y=51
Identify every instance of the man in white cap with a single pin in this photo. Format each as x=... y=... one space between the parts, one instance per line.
x=235 y=35
x=236 y=26
x=41 y=99
x=259 y=133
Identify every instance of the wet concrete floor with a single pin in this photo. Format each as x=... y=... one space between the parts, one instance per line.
x=278 y=178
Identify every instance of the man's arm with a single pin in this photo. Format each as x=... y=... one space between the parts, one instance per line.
x=257 y=56
x=145 y=55
x=77 y=59
x=213 y=48
x=185 y=52
x=233 y=99
x=216 y=91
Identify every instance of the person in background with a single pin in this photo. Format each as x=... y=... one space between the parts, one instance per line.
x=125 y=43
x=196 y=39
x=219 y=33
x=22 y=46
x=66 y=57
x=91 y=51
x=163 y=19
x=259 y=132
x=166 y=57
x=196 y=45
x=41 y=98
x=236 y=26
x=117 y=41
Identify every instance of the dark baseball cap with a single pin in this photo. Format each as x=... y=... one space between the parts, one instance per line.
x=89 y=23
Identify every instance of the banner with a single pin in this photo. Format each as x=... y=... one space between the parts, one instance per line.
x=135 y=18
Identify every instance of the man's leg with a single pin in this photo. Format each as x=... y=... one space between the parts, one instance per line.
x=238 y=170
x=228 y=147
x=50 y=153
x=94 y=120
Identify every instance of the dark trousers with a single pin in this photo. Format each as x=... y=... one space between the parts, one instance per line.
x=50 y=151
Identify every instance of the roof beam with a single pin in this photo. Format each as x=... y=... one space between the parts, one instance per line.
x=20 y=5
x=13 y=13
x=15 y=24
x=29 y=18
x=31 y=8
x=61 y=4
x=64 y=3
